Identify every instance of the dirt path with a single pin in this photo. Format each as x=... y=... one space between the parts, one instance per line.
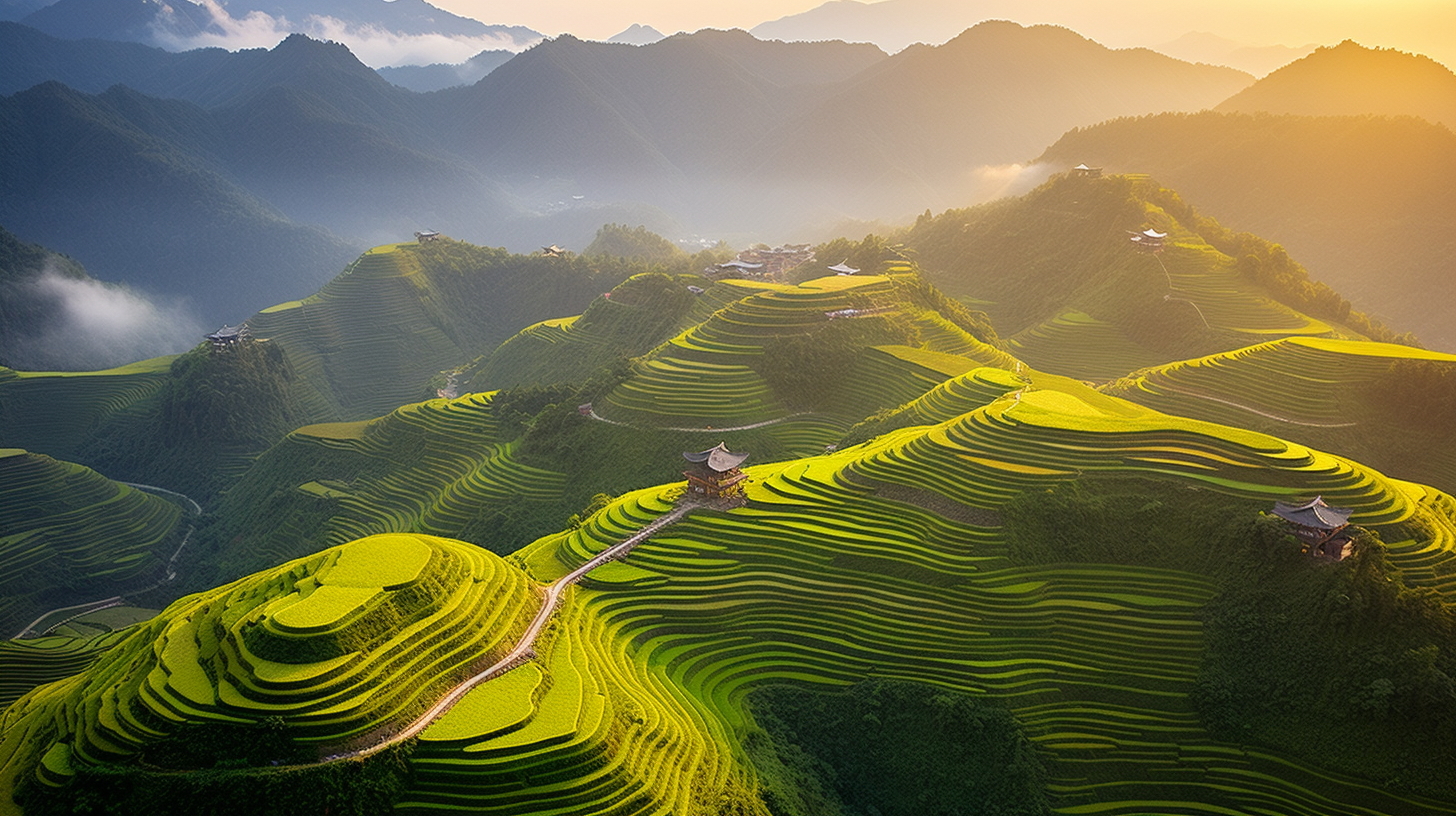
x=107 y=603
x=525 y=647
x=1274 y=417
x=599 y=418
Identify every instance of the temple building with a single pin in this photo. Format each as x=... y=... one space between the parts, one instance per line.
x=1322 y=529
x=843 y=268
x=1149 y=240
x=1089 y=172
x=229 y=336
x=427 y=235
x=714 y=473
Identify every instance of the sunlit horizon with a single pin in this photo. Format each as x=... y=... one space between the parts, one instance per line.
x=1421 y=26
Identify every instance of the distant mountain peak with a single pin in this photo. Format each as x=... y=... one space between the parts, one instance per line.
x=637 y=34
x=1349 y=79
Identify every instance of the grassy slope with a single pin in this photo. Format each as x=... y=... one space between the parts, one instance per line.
x=895 y=559
x=1344 y=194
x=1097 y=308
x=67 y=533
x=1384 y=404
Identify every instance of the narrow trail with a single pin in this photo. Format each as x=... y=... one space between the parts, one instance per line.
x=599 y=418
x=106 y=603
x=1169 y=296
x=1265 y=414
x=524 y=650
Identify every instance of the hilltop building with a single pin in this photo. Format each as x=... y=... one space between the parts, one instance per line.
x=1087 y=172
x=714 y=473
x=762 y=263
x=553 y=251
x=1149 y=240
x=229 y=336
x=1319 y=527
x=843 y=268
x=427 y=235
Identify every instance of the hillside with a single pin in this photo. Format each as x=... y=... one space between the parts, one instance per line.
x=1115 y=653
x=1364 y=203
x=1351 y=80
x=984 y=98
x=119 y=182
x=1375 y=402
x=607 y=112
x=1099 y=308
x=67 y=533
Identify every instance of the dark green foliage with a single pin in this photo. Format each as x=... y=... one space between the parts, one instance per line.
x=893 y=748
x=1418 y=392
x=1127 y=521
x=216 y=411
x=366 y=787
x=636 y=243
x=808 y=371
x=1340 y=663
x=24 y=312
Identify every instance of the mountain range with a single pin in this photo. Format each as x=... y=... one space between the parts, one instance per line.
x=304 y=133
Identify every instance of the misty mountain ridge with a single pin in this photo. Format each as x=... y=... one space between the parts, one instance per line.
x=385 y=33
x=637 y=34
x=1259 y=60
x=434 y=77
x=1350 y=79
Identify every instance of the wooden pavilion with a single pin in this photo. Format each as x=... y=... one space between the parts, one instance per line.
x=714 y=473
x=1149 y=240
x=229 y=336
x=1322 y=529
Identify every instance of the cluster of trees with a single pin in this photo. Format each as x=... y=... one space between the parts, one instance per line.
x=894 y=748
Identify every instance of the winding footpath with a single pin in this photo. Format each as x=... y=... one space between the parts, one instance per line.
x=525 y=648
x=106 y=603
x=767 y=422
x=1265 y=414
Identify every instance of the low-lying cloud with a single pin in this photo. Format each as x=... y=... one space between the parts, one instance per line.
x=374 y=46
x=85 y=325
x=989 y=182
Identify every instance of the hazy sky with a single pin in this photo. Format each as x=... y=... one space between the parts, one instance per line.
x=1425 y=26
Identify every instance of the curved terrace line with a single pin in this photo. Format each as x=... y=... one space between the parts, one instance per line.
x=1274 y=417
x=524 y=650
x=767 y=422
x=117 y=600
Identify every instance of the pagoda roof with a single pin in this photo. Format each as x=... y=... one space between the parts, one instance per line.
x=843 y=268
x=719 y=458
x=1081 y=167
x=229 y=332
x=1314 y=513
x=1152 y=233
x=741 y=265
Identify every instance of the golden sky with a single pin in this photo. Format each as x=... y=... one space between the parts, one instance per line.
x=1423 y=26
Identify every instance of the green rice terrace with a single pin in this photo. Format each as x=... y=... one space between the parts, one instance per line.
x=1380 y=403
x=68 y=531
x=375 y=336
x=1031 y=571
x=56 y=412
x=1100 y=309
x=1117 y=647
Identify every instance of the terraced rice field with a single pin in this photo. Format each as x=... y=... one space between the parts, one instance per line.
x=345 y=645
x=1337 y=394
x=67 y=530
x=333 y=338
x=1079 y=345
x=822 y=581
x=1201 y=274
x=706 y=376
x=425 y=467
x=26 y=664
x=54 y=412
